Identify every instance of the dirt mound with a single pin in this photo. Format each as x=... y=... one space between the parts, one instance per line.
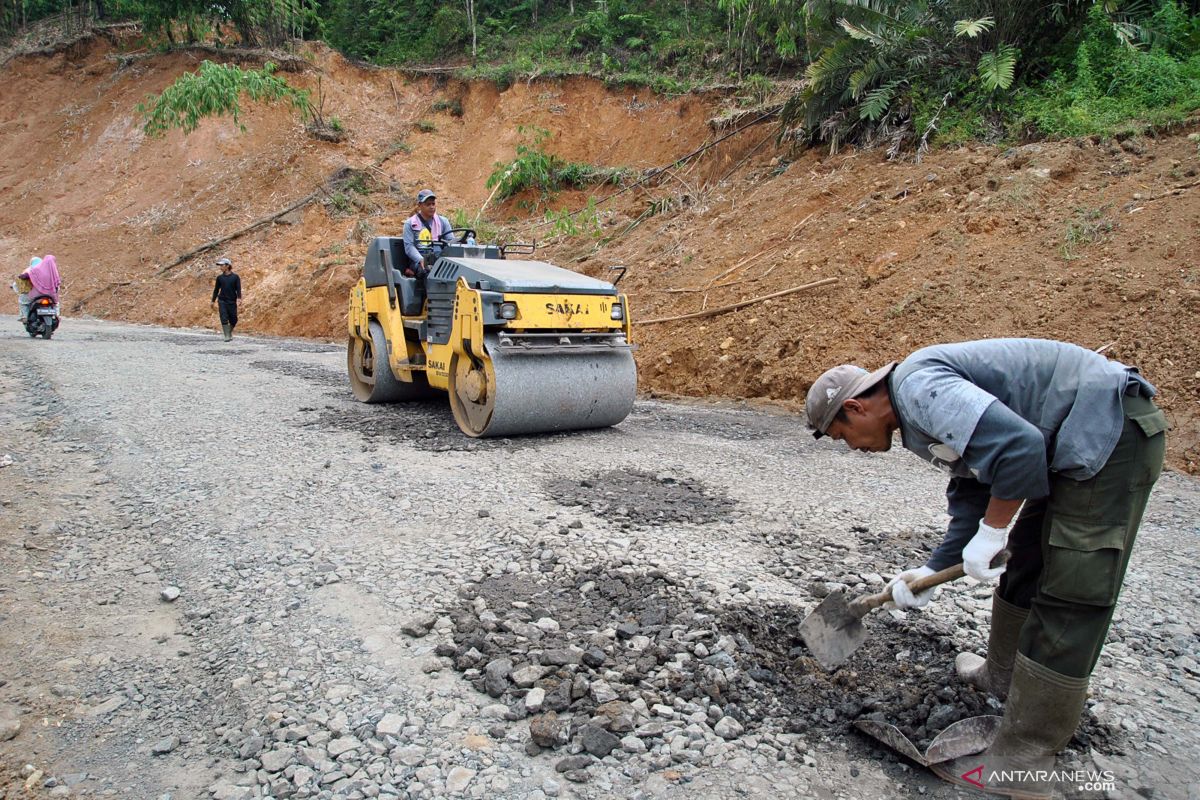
x=1088 y=241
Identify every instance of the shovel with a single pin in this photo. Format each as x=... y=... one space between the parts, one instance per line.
x=834 y=630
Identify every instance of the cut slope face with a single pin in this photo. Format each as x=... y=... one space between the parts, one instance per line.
x=1092 y=242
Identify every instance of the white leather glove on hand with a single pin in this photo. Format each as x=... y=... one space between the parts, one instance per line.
x=978 y=554
x=903 y=597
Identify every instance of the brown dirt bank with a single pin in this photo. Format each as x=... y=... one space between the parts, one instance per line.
x=1088 y=241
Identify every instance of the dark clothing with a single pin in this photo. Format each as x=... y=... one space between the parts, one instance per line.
x=228 y=288
x=1071 y=549
x=228 y=309
x=1077 y=437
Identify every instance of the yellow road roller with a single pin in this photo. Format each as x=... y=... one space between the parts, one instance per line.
x=520 y=346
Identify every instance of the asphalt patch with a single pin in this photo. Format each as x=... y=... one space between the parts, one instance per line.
x=313 y=373
x=600 y=639
x=903 y=674
x=719 y=423
x=227 y=351
x=426 y=425
x=633 y=498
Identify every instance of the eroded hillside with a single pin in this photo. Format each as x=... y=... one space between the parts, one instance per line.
x=1093 y=242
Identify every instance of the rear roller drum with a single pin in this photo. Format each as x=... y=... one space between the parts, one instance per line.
x=371 y=376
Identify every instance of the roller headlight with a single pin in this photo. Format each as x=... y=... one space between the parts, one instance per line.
x=508 y=310
x=618 y=312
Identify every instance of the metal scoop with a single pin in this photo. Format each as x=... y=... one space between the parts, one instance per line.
x=834 y=630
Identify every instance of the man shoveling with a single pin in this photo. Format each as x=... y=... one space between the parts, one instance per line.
x=1078 y=440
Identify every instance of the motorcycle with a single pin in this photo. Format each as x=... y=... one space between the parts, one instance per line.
x=42 y=318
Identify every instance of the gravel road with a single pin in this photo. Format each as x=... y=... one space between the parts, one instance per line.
x=221 y=577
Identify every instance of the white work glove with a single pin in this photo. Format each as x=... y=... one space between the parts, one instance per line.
x=978 y=554
x=903 y=597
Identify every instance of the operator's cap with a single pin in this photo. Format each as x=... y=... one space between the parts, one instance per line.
x=834 y=387
x=224 y=262
x=425 y=194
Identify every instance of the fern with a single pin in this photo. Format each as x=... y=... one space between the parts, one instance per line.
x=861 y=33
x=972 y=28
x=997 y=69
x=876 y=102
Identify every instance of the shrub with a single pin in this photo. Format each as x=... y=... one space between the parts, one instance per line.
x=534 y=168
x=213 y=91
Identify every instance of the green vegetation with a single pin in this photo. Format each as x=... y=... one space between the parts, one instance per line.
x=453 y=107
x=898 y=72
x=1112 y=86
x=904 y=73
x=485 y=232
x=1087 y=226
x=584 y=222
x=215 y=90
x=425 y=126
x=534 y=168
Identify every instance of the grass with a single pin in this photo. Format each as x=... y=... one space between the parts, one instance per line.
x=1088 y=226
x=453 y=107
x=425 y=126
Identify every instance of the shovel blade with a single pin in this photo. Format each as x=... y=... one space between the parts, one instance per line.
x=964 y=738
x=832 y=631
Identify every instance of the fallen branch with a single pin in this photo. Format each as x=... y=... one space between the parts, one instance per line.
x=332 y=182
x=735 y=306
x=1172 y=192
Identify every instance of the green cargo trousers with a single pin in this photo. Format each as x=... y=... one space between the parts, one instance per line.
x=1070 y=550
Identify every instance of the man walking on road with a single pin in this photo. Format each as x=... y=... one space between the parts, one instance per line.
x=227 y=291
x=1074 y=437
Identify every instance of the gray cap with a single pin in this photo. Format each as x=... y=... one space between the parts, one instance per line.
x=834 y=387
x=224 y=262
x=425 y=194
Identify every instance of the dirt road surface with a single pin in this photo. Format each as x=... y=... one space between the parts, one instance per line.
x=220 y=577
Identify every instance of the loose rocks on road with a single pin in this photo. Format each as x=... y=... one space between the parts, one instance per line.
x=225 y=578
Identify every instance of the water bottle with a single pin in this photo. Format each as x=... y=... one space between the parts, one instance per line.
x=470 y=240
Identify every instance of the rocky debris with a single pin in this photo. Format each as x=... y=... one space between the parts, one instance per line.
x=638 y=499
x=10 y=721
x=164 y=745
x=639 y=656
x=169 y=594
x=419 y=625
x=547 y=731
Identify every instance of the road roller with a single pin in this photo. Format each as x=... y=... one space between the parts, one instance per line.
x=520 y=346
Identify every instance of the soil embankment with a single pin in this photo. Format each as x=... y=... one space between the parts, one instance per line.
x=1088 y=241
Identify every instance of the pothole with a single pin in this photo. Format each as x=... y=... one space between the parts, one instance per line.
x=639 y=653
x=634 y=498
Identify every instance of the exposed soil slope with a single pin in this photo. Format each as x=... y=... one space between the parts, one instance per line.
x=1092 y=242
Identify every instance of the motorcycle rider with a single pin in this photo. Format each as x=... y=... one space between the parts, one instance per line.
x=43 y=278
x=22 y=287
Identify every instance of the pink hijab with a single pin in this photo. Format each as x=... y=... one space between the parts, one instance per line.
x=45 y=279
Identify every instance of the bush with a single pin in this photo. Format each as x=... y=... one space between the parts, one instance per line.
x=1111 y=86
x=534 y=168
x=215 y=90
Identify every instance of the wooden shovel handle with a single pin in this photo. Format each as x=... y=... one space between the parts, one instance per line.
x=928 y=582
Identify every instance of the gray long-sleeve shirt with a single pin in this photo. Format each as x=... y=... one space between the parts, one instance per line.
x=412 y=232
x=1001 y=414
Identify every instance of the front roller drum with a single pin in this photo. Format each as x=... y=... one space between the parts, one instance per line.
x=514 y=393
